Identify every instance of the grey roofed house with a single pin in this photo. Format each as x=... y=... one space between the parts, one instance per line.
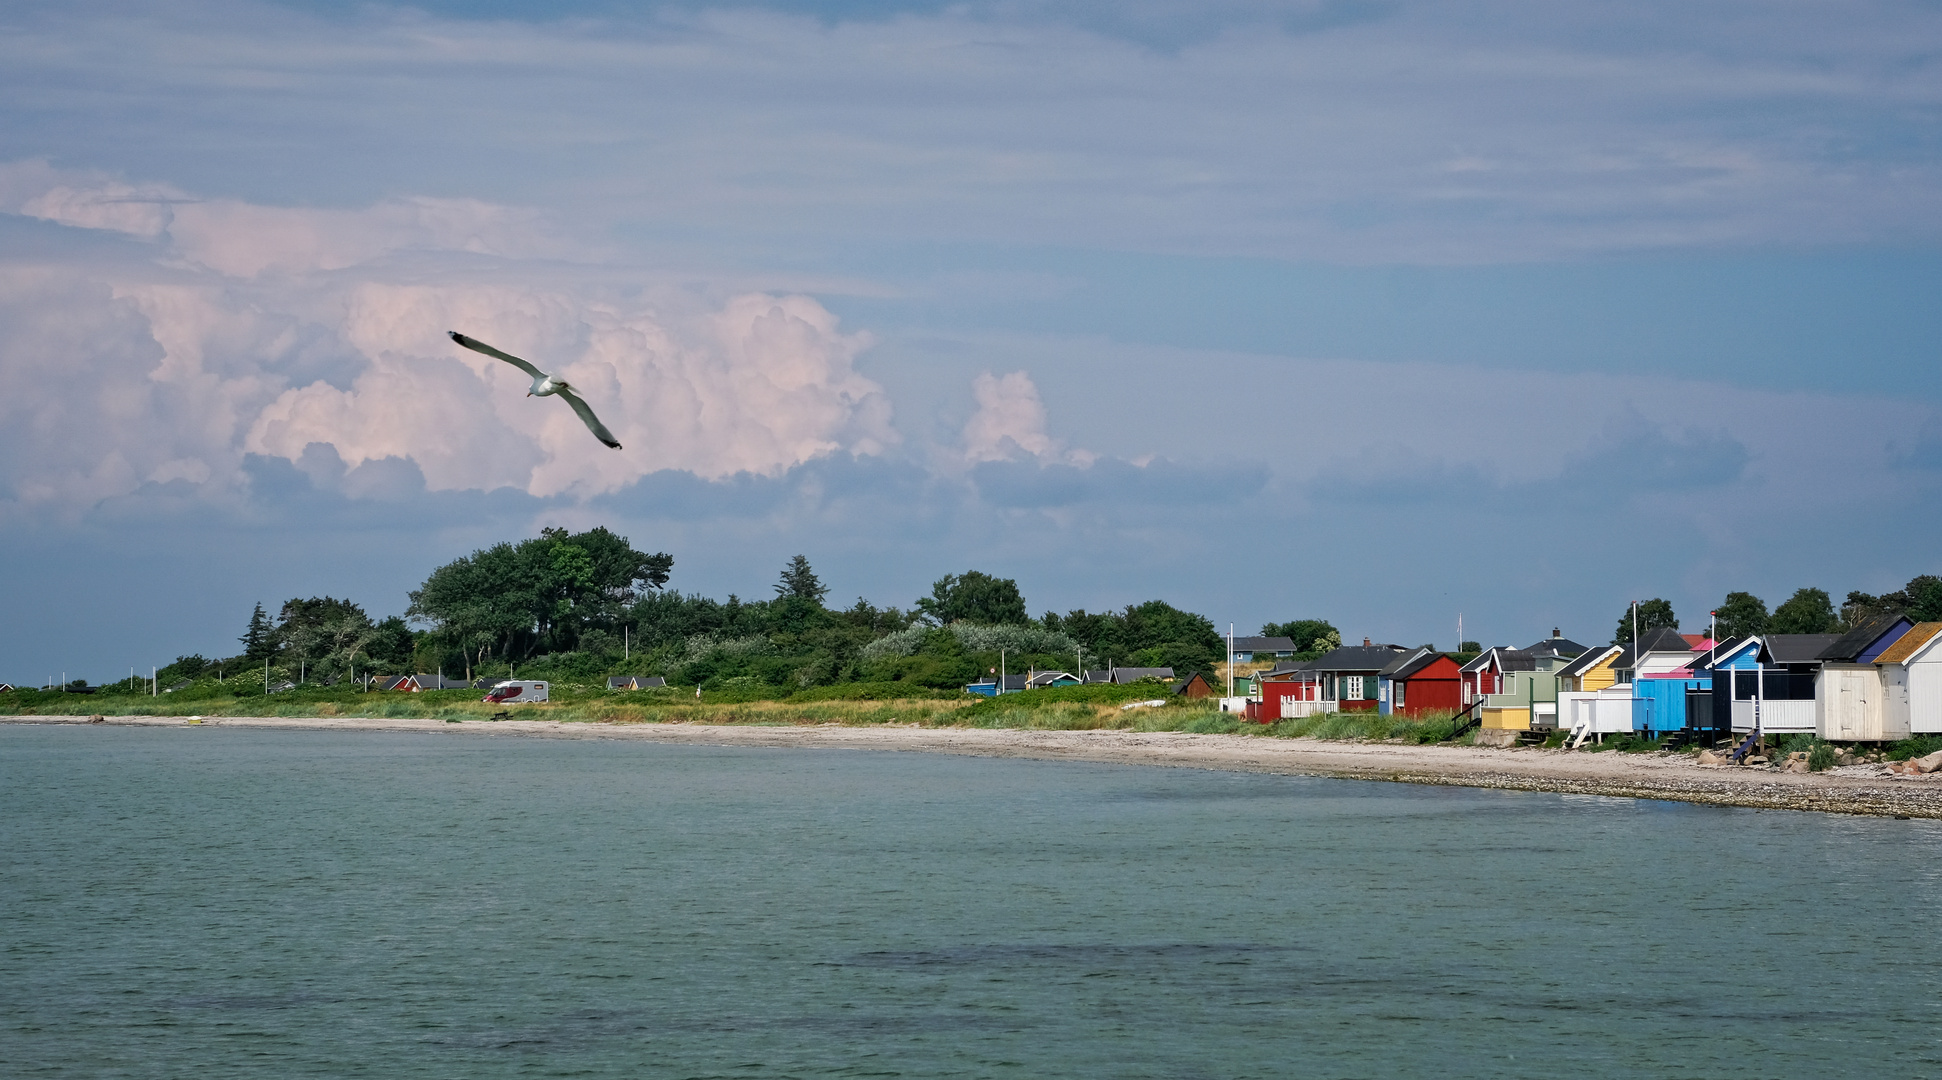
x=1124 y=675
x=635 y=682
x=1364 y=658
x=1039 y=679
x=1245 y=648
x=1868 y=639
x=1409 y=663
x=1010 y=683
x=1790 y=650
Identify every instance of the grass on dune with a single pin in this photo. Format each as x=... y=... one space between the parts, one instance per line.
x=1086 y=708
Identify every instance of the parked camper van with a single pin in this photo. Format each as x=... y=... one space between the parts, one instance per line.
x=514 y=691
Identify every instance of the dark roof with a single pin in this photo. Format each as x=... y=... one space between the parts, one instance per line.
x=1585 y=661
x=1505 y=660
x=1410 y=663
x=1180 y=687
x=1557 y=646
x=1722 y=648
x=1798 y=648
x=1357 y=658
x=1664 y=639
x=1852 y=644
x=1264 y=644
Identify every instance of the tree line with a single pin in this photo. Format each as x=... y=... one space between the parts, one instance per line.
x=1808 y=611
x=586 y=604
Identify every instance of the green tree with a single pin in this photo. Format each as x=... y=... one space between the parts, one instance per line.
x=799 y=582
x=1741 y=614
x=1922 y=594
x=1928 y=603
x=256 y=639
x=1309 y=635
x=1653 y=614
x=538 y=595
x=974 y=597
x=1808 y=611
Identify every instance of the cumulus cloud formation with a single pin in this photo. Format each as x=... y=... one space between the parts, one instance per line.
x=273 y=331
x=1010 y=423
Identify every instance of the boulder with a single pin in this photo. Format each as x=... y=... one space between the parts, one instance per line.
x=1928 y=763
x=97 y=719
x=1753 y=759
x=1708 y=757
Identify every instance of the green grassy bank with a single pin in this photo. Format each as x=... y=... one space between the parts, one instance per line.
x=1073 y=708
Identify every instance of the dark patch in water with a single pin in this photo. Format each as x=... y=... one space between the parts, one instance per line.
x=1085 y=954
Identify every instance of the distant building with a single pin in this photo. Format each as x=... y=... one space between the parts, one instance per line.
x=1245 y=649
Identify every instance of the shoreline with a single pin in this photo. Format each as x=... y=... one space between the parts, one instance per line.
x=1858 y=789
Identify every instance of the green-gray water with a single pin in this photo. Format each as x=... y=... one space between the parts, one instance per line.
x=221 y=903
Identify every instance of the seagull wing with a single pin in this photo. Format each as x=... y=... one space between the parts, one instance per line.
x=479 y=346
x=588 y=418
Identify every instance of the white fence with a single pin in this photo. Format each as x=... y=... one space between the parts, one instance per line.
x=1293 y=708
x=1605 y=713
x=1779 y=717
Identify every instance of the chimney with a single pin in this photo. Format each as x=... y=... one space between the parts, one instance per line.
x=1554 y=632
x=1366 y=643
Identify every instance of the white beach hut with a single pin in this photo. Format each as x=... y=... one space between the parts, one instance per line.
x=1911 y=677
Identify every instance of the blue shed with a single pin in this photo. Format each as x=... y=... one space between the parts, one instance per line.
x=1659 y=705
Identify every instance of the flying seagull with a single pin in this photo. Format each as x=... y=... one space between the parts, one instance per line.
x=543 y=385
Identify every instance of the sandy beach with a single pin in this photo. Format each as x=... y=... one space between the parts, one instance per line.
x=1856 y=789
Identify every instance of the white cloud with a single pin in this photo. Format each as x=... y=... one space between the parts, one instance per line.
x=267 y=330
x=1010 y=423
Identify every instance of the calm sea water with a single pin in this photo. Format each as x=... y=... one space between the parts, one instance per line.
x=233 y=903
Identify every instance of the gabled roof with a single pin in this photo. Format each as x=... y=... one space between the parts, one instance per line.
x=1589 y=659
x=1852 y=644
x=1357 y=658
x=1910 y=643
x=1181 y=686
x=1798 y=648
x=1503 y=659
x=1724 y=650
x=1049 y=678
x=1410 y=663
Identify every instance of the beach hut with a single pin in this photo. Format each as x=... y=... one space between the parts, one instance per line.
x=1591 y=671
x=1419 y=682
x=995 y=685
x=1850 y=696
x=1349 y=677
x=1194 y=686
x=1291 y=691
x=1911 y=676
x=635 y=682
x=1490 y=672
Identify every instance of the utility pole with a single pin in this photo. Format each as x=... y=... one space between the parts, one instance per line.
x=1230 y=660
x=1001 y=671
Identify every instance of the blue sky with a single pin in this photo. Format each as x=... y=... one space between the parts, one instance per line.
x=1376 y=312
